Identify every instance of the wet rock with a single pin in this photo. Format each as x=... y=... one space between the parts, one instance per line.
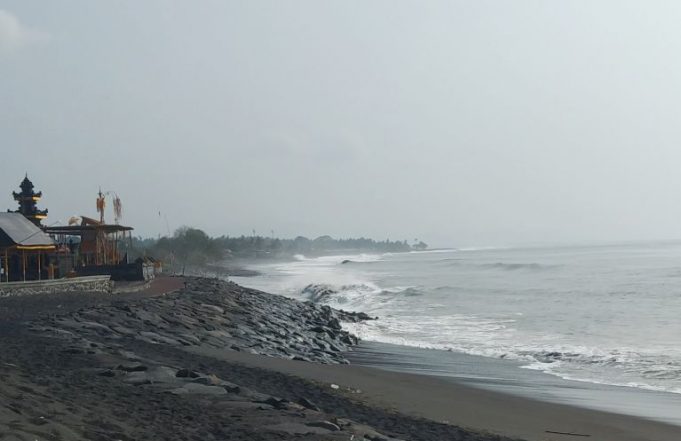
x=328 y=425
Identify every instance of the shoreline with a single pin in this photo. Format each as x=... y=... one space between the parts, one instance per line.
x=474 y=409
x=185 y=361
x=507 y=377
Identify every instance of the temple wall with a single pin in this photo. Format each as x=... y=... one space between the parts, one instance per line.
x=101 y=284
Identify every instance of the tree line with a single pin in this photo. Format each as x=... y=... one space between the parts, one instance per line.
x=193 y=247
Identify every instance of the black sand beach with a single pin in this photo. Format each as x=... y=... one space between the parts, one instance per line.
x=507 y=376
x=212 y=361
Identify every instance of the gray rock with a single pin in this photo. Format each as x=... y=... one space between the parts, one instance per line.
x=308 y=404
x=137 y=378
x=133 y=367
x=328 y=425
x=198 y=389
x=187 y=373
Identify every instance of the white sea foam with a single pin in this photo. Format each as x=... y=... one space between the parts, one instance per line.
x=588 y=318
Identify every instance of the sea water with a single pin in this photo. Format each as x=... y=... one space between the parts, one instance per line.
x=598 y=314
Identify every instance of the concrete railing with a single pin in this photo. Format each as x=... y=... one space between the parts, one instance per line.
x=101 y=284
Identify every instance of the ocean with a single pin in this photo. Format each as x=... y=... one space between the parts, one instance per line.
x=608 y=315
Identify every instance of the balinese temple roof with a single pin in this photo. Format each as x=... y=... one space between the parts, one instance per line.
x=17 y=231
x=87 y=224
x=27 y=199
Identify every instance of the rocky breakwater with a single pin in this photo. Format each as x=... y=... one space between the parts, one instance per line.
x=80 y=367
x=217 y=314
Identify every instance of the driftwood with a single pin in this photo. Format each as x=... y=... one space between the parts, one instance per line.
x=566 y=433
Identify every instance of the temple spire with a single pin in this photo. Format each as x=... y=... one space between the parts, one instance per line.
x=27 y=200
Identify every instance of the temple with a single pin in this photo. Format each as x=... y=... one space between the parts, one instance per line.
x=27 y=200
x=31 y=251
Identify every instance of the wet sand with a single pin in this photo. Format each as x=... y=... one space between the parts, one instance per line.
x=507 y=376
x=447 y=401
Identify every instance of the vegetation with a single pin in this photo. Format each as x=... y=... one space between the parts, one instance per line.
x=191 y=247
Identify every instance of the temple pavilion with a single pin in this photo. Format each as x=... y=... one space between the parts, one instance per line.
x=25 y=250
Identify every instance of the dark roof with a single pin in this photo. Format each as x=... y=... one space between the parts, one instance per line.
x=77 y=230
x=16 y=230
x=86 y=224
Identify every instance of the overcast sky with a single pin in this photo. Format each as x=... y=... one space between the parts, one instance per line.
x=457 y=122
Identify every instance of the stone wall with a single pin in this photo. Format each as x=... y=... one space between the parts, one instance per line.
x=101 y=284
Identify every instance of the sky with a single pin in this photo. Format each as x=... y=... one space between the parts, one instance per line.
x=460 y=123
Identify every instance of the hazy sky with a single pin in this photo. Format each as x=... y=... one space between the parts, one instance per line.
x=457 y=122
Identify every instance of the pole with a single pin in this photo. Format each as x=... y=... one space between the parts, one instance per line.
x=23 y=263
x=40 y=271
x=6 y=266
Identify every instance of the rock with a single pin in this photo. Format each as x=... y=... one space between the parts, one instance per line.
x=214 y=314
x=375 y=437
x=277 y=403
x=187 y=373
x=100 y=328
x=134 y=367
x=107 y=373
x=137 y=378
x=308 y=404
x=124 y=330
x=328 y=425
x=292 y=428
x=161 y=374
x=210 y=380
x=231 y=387
x=212 y=308
x=198 y=389
x=154 y=337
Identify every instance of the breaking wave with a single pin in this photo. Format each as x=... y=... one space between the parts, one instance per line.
x=489 y=338
x=361 y=296
x=494 y=337
x=501 y=266
x=507 y=305
x=517 y=266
